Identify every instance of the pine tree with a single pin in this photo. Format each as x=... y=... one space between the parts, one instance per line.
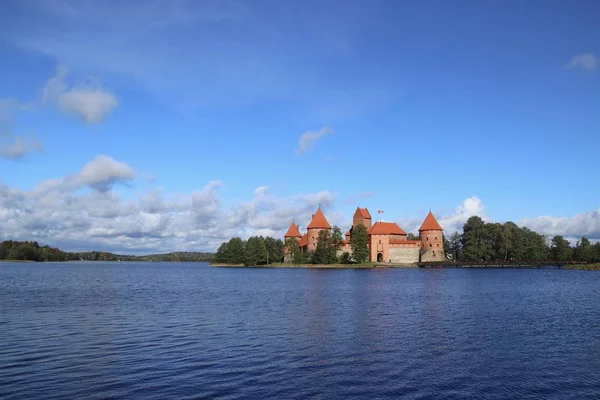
x=255 y=252
x=359 y=241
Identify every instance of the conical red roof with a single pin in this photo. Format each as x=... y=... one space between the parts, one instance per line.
x=319 y=221
x=430 y=224
x=293 y=231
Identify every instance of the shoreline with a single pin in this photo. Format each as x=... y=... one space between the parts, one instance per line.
x=579 y=267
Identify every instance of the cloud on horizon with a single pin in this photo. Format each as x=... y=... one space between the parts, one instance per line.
x=82 y=211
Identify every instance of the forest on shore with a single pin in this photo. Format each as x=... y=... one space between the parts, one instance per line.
x=33 y=251
x=479 y=242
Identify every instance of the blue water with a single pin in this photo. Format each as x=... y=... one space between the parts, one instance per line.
x=178 y=330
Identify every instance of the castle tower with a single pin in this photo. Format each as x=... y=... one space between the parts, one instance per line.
x=432 y=240
x=317 y=224
x=362 y=216
x=292 y=232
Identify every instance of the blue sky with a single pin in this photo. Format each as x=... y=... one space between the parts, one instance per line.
x=471 y=108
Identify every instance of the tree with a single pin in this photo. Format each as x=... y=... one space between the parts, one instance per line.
x=235 y=251
x=222 y=253
x=584 y=251
x=255 y=252
x=560 y=249
x=325 y=253
x=337 y=239
x=359 y=242
x=455 y=245
x=274 y=249
x=473 y=246
x=412 y=236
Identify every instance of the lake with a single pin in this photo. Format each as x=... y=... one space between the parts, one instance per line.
x=187 y=330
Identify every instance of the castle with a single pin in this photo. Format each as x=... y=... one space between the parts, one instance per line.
x=387 y=241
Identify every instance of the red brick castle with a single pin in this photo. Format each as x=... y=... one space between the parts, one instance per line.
x=387 y=241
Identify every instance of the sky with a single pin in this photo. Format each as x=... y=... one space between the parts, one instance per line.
x=140 y=127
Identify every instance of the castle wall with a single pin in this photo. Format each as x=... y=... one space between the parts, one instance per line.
x=404 y=254
x=313 y=238
x=432 y=255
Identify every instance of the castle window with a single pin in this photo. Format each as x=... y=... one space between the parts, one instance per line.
x=436 y=238
x=379 y=241
x=438 y=245
x=430 y=245
x=428 y=238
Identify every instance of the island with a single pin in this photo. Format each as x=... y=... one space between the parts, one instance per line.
x=386 y=244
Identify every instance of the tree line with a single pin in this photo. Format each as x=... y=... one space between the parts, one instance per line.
x=481 y=241
x=257 y=250
x=33 y=251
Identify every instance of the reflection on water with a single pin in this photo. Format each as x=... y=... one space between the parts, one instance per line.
x=187 y=330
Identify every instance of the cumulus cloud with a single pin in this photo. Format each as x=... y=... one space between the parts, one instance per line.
x=587 y=61
x=101 y=174
x=309 y=139
x=56 y=213
x=585 y=224
x=88 y=101
x=452 y=221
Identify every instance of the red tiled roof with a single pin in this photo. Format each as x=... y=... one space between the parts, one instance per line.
x=304 y=240
x=364 y=212
x=293 y=231
x=319 y=221
x=430 y=224
x=386 y=228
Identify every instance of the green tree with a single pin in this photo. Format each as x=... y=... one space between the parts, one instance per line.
x=412 y=236
x=560 y=249
x=455 y=245
x=3 y=251
x=222 y=253
x=274 y=249
x=235 y=251
x=325 y=252
x=24 y=251
x=583 y=251
x=359 y=242
x=255 y=252
x=473 y=245
x=337 y=238
x=300 y=257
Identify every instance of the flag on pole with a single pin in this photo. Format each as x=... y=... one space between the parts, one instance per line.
x=379 y=211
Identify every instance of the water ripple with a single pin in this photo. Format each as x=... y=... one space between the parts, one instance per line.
x=99 y=330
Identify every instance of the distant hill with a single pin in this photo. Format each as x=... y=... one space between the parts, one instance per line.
x=33 y=251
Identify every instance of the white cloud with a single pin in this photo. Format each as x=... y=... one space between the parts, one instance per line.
x=587 y=61
x=309 y=139
x=100 y=174
x=450 y=222
x=88 y=102
x=56 y=213
x=585 y=224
